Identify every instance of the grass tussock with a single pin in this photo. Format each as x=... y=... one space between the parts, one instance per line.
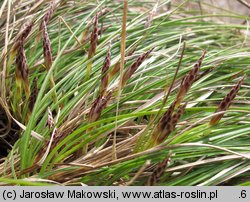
x=104 y=93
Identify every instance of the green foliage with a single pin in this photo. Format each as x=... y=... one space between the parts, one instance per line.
x=201 y=155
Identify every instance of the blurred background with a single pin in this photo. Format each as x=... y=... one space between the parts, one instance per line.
x=239 y=7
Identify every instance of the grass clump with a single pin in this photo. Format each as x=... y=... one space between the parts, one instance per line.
x=100 y=93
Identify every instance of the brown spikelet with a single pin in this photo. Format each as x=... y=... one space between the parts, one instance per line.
x=169 y=124
x=97 y=107
x=105 y=76
x=158 y=171
x=85 y=37
x=23 y=35
x=25 y=31
x=50 y=119
x=167 y=116
x=189 y=80
x=48 y=15
x=93 y=108
x=116 y=67
x=93 y=38
x=22 y=71
x=33 y=95
x=176 y=117
x=92 y=48
x=21 y=62
x=130 y=71
x=47 y=52
x=226 y=102
x=104 y=102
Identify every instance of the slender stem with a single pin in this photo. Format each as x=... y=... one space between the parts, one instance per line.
x=123 y=47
